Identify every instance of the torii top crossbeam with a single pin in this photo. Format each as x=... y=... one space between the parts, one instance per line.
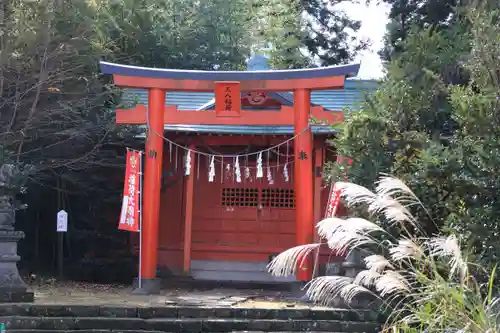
x=227 y=86
x=194 y=80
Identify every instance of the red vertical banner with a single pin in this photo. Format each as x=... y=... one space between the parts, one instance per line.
x=227 y=99
x=333 y=202
x=334 y=197
x=129 y=217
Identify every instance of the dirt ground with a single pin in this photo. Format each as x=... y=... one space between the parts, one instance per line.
x=92 y=294
x=67 y=293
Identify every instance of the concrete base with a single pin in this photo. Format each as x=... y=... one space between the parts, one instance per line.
x=148 y=286
x=243 y=271
x=353 y=264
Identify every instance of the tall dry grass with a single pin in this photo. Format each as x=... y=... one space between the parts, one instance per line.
x=424 y=281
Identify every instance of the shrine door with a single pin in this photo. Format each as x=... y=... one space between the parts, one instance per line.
x=239 y=227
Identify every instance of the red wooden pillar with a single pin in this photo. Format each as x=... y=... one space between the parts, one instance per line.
x=304 y=215
x=318 y=182
x=151 y=199
x=188 y=216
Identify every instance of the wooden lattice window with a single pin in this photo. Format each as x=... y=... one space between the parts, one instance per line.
x=278 y=198
x=240 y=197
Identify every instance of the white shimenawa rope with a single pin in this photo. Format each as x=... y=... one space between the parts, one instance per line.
x=222 y=155
x=235 y=157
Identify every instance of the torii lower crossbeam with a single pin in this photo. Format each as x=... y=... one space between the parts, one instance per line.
x=172 y=116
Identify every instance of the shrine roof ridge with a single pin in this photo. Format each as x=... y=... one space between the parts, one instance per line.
x=350 y=70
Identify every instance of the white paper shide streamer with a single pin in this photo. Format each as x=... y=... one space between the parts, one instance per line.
x=188 y=163
x=285 y=173
x=211 y=171
x=269 y=176
x=247 y=173
x=229 y=171
x=260 y=172
x=237 y=170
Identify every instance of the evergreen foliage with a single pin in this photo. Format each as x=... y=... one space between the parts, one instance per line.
x=305 y=33
x=434 y=124
x=406 y=15
x=329 y=33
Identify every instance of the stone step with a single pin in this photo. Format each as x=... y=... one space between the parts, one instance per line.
x=120 y=331
x=151 y=312
x=190 y=325
x=83 y=331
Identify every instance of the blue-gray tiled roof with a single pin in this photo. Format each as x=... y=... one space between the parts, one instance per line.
x=349 y=97
x=337 y=99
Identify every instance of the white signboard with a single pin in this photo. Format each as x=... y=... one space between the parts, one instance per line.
x=62 y=221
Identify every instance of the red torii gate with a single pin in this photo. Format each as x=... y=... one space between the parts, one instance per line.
x=158 y=81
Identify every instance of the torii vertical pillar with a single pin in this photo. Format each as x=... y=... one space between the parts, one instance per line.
x=304 y=215
x=151 y=198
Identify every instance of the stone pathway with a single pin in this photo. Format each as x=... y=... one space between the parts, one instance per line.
x=211 y=298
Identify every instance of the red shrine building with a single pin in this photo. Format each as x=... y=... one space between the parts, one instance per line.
x=233 y=163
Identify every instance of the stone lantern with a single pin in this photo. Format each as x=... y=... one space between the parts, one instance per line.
x=12 y=181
